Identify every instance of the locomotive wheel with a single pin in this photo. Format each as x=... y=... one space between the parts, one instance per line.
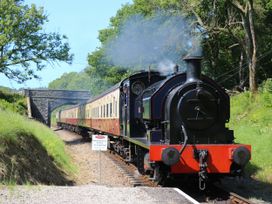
x=159 y=176
x=140 y=160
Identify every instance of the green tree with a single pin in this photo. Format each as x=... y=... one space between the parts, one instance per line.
x=63 y=82
x=234 y=37
x=249 y=44
x=237 y=38
x=80 y=81
x=23 y=43
x=100 y=68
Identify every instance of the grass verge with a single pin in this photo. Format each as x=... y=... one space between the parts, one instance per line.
x=31 y=153
x=251 y=120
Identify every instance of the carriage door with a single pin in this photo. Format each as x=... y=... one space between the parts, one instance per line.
x=125 y=110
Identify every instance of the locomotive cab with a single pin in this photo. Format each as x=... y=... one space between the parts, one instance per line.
x=131 y=93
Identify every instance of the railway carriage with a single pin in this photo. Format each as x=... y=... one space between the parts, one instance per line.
x=165 y=125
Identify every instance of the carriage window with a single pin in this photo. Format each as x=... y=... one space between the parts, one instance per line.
x=116 y=110
x=113 y=107
x=110 y=109
x=107 y=110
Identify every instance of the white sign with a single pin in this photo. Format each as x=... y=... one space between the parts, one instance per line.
x=99 y=142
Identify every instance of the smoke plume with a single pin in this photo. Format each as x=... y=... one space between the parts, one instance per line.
x=159 y=41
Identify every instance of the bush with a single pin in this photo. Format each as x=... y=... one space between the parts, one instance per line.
x=267 y=86
x=13 y=102
x=266 y=92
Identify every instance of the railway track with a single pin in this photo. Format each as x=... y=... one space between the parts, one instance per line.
x=236 y=199
x=217 y=194
x=130 y=171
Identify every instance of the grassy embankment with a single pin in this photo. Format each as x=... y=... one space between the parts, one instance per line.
x=251 y=120
x=29 y=151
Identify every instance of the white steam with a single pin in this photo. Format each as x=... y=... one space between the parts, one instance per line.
x=161 y=40
x=166 y=66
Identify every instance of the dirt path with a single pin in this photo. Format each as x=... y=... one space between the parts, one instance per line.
x=87 y=162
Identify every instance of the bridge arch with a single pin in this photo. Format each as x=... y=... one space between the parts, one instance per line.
x=42 y=102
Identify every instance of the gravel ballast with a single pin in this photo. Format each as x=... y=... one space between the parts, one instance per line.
x=88 y=163
x=89 y=194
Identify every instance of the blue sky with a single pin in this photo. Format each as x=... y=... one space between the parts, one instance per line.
x=80 y=21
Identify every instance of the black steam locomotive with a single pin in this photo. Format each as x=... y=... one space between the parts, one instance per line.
x=166 y=125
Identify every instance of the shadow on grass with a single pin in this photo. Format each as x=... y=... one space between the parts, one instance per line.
x=57 y=129
x=252 y=169
x=78 y=140
x=75 y=141
x=26 y=161
x=249 y=187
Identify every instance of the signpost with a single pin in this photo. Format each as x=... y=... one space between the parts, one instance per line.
x=99 y=143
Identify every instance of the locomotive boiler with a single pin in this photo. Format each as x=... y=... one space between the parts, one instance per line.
x=165 y=125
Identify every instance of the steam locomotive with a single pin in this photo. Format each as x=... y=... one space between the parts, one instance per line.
x=165 y=125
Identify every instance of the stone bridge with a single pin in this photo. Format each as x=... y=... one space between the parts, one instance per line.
x=41 y=102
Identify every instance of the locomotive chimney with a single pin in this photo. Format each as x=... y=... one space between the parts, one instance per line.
x=193 y=70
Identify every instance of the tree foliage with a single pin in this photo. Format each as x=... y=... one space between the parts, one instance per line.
x=234 y=51
x=23 y=43
x=236 y=38
x=79 y=81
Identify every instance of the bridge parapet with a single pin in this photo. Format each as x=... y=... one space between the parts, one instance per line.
x=41 y=102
